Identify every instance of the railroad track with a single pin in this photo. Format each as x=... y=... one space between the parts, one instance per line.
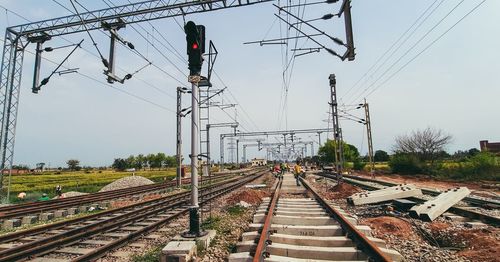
x=371 y=184
x=14 y=211
x=90 y=237
x=290 y=226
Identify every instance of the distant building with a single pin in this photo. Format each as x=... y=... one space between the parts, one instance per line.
x=490 y=147
x=259 y=162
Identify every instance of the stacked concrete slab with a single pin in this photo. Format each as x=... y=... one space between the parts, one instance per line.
x=385 y=194
x=303 y=231
x=430 y=210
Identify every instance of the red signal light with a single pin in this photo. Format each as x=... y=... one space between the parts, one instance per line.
x=195 y=46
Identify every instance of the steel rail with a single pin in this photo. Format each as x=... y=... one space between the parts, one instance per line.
x=37 y=207
x=127 y=190
x=52 y=226
x=367 y=246
x=492 y=220
x=45 y=245
x=264 y=235
x=101 y=251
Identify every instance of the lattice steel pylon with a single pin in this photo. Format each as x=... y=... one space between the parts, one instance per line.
x=16 y=40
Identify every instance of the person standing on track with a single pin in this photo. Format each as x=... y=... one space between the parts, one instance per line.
x=297 y=171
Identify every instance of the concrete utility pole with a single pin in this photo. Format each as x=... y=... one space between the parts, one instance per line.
x=336 y=128
x=369 y=134
x=195 y=135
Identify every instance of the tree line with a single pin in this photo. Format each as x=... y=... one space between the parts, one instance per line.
x=422 y=152
x=151 y=161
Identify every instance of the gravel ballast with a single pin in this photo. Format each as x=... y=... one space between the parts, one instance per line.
x=126 y=182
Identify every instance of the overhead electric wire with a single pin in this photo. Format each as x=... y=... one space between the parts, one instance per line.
x=390 y=48
x=427 y=47
x=400 y=45
x=106 y=84
x=409 y=50
x=153 y=64
x=103 y=60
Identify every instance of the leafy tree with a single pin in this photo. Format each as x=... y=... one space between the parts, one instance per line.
x=327 y=152
x=21 y=167
x=131 y=161
x=170 y=161
x=73 y=164
x=140 y=161
x=380 y=156
x=423 y=144
x=119 y=164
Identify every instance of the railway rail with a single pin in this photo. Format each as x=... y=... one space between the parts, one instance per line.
x=90 y=237
x=371 y=184
x=297 y=224
x=19 y=210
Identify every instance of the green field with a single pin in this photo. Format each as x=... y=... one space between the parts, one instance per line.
x=36 y=184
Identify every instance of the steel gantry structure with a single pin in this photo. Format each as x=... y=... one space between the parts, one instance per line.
x=269 y=133
x=18 y=37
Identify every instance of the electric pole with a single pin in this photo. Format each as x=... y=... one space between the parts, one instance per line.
x=336 y=127
x=369 y=136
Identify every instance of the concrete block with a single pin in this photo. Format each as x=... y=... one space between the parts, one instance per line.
x=203 y=241
x=240 y=257
x=475 y=224
x=333 y=241
x=181 y=251
x=11 y=223
x=311 y=252
x=28 y=220
x=73 y=211
x=60 y=213
x=439 y=205
x=385 y=194
x=46 y=216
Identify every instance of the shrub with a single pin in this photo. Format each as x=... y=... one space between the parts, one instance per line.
x=358 y=164
x=405 y=164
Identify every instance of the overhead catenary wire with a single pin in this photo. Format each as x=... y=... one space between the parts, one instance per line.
x=153 y=64
x=427 y=47
x=106 y=84
x=389 y=49
x=408 y=51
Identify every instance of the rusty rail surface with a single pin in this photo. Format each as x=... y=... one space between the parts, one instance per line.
x=264 y=235
x=367 y=246
x=38 y=207
x=178 y=200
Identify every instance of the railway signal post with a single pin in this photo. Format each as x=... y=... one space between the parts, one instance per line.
x=195 y=39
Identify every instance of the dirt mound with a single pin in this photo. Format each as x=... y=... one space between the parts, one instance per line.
x=477 y=244
x=251 y=196
x=126 y=182
x=341 y=191
x=389 y=226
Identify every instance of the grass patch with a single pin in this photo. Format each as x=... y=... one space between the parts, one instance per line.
x=211 y=223
x=75 y=181
x=152 y=255
x=236 y=210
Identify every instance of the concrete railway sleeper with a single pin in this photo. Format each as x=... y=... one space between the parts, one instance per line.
x=473 y=200
x=160 y=213
x=460 y=211
x=292 y=226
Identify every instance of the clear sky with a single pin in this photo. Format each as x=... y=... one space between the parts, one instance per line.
x=453 y=85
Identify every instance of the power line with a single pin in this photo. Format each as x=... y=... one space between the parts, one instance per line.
x=428 y=46
x=106 y=84
x=409 y=50
x=391 y=47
